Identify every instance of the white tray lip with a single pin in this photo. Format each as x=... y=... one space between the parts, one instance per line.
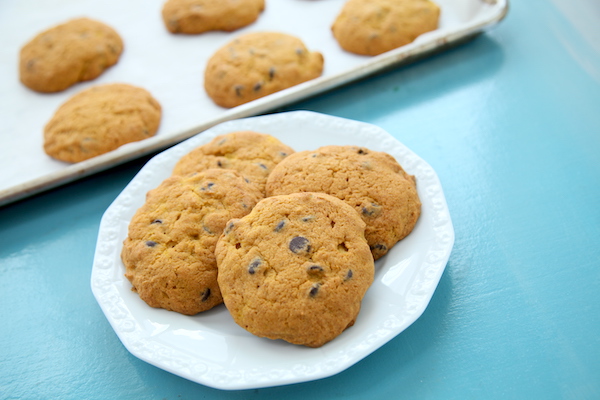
x=136 y=150
x=124 y=323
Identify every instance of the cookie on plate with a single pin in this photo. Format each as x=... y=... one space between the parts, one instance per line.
x=169 y=251
x=198 y=16
x=372 y=182
x=75 y=51
x=258 y=64
x=296 y=268
x=372 y=27
x=100 y=119
x=252 y=154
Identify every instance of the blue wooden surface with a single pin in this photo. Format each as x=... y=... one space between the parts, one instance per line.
x=511 y=124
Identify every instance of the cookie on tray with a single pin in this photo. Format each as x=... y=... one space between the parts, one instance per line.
x=257 y=64
x=372 y=27
x=198 y=16
x=252 y=154
x=169 y=251
x=100 y=119
x=75 y=51
x=372 y=182
x=296 y=268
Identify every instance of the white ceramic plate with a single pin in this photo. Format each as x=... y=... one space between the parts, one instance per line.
x=210 y=348
x=171 y=67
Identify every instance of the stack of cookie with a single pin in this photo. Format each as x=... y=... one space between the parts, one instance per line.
x=287 y=240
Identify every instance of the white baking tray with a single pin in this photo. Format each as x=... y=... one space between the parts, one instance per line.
x=171 y=67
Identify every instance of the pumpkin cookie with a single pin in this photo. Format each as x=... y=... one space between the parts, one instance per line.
x=372 y=27
x=252 y=154
x=169 y=252
x=373 y=183
x=258 y=64
x=78 y=50
x=100 y=119
x=296 y=268
x=198 y=16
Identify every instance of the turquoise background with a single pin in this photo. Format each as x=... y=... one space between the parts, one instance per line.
x=510 y=122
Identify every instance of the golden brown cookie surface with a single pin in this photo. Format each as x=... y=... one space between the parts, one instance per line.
x=75 y=51
x=252 y=154
x=198 y=16
x=169 y=252
x=100 y=119
x=258 y=64
x=296 y=268
x=372 y=27
x=373 y=183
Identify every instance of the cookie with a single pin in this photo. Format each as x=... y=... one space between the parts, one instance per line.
x=372 y=27
x=198 y=16
x=252 y=154
x=75 y=51
x=372 y=182
x=169 y=251
x=296 y=268
x=100 y=119
x=258 y=64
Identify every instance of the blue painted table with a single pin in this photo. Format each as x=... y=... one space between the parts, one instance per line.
x=511 y=124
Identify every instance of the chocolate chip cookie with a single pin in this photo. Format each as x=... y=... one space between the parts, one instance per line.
x=100 y=119
x=252 y=154
x=372 y=182
x=75 y=51
x=296 y=268
x=169 y=251
x=372 y=27
x=198 y=16
x=257 y=64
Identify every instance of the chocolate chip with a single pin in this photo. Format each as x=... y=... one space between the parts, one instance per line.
x=263 y=166
x=362 y=151
x=238 y=90
x=348 y=275
x=379 y=246
x=219 y=164
x=315 y=270
x=151 y=243
x=271 y=73
x=299 y=244
x=280 y=226
x=308 y=218
x=254 y=265
x=222 y=141
x=228 y=228
x=300 y=51
x=157 y=221
x=372 y=210
x=314 y=290
x=209 y=186
x=207 y=229
x=283 y=154
x=205 y=295
x=257 y=87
